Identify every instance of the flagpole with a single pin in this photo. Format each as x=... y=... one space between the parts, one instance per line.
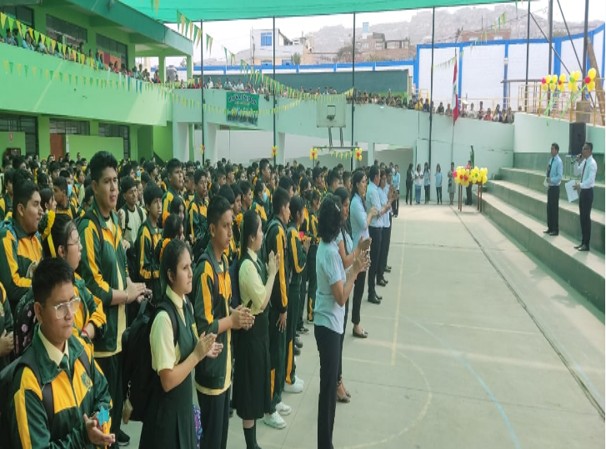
x=202 y=89
x=455 y=106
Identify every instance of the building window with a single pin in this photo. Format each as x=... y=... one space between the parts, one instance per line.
x=113 y=130
x=365 y=46
x=393 y=45
x=60 y=126
x=21 y=13
x=66 y=32
x=112 y=51
x=379 y=46
x=266 y=39
x=25 y=124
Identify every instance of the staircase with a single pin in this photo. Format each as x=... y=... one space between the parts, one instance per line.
x=517 y=203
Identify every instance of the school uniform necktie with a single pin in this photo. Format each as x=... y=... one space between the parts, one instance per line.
x=64 y=365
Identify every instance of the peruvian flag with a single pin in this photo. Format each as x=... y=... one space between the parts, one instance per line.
x=455 y=95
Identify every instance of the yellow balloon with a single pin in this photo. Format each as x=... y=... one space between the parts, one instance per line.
x=562 y=78
x=574 y=87
x=591 y=86
x=577 y=75
x=544 y=87
x=592 y=73
x=552 y=87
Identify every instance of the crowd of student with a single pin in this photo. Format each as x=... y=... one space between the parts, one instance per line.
x=230 y=260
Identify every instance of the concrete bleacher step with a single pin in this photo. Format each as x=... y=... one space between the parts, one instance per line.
x=584 y=271
x=533 y=179
x=534 y=204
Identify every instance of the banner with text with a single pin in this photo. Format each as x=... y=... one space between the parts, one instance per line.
x=242 y=107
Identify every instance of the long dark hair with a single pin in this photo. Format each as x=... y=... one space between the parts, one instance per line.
x=356 y=179
x=329 y=218
x=170 y=260
x=249 y=227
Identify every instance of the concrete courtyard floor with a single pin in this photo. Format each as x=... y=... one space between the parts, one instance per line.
x=475 y=345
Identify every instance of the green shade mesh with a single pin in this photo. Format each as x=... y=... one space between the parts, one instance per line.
x=208 y=10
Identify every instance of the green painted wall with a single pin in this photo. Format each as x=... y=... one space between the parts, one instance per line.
x=43 y=136
x=162 y=142
x=134 y=142
x=39 y=84
x=17 y=141
x=145 y=137
x=87 y=146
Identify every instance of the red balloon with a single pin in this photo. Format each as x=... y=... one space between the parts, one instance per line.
x=587 y=80
x=455 y=174
x=543 y=80
x=465 y=178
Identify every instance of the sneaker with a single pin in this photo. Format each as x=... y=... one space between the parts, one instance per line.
x=123 y=438
x=274 y=420
x=283 y=409
x=298 y=343
x=297 y=351
x=293 y=388
x=299 y=381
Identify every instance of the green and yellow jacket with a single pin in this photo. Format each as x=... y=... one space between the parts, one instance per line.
x=78 y=390
x=296 y=254
x=167 y=199
x=19 y=250
x=103 y=268
x=6 y=321
x=276 y=241
x=211 y=303
x=196 y=219
x=6 y=207
x=149 y=263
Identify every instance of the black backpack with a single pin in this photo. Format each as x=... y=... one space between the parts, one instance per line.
x=138 y=377
x=6 y=380
x=24 y=322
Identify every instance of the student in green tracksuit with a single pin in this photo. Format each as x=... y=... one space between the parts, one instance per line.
x=64 y=367
x=297 y=253
x=21 y=249
x=147 y=241
x=275 y=240
x=7 y=343
x=103 y=268
x=174 y=170
x=212 y=293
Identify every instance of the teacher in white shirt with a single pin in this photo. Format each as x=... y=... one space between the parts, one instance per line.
x=587 y=168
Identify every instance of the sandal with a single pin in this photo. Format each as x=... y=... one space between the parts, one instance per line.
x=343 y=398
x=362 y=334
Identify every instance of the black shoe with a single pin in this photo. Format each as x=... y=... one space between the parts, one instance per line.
x=298 y=343
x=382 y=282
x=123 y=439
x=583 y=248
x=387 y=269
x=546 y=231
x=296 y=350
x=374 y=299
x=578 y=246
x=553 y=233
x=303 y=330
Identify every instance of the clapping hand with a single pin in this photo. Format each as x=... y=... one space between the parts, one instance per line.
x=272 y=264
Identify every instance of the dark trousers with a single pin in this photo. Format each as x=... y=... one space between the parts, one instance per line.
x=302 y=296
x=408 y=192
x=214 y=412
x=385 y=240
x=375 y=257
x=427 y=193
x=112 y=368
x=585 y=202
x=395 y=206
x=468 y=201
x=277 y=358
x=357 y=297
x=553 y=208
x=312 y=284
x=342 y=340
x=329 y=347
x=294 y=290
x=439 y=195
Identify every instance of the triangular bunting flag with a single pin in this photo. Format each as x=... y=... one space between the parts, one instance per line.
x=2 y=19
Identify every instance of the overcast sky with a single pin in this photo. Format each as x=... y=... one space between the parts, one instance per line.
x=235 y=35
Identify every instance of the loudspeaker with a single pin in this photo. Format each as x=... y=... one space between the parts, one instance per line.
x=576 y=138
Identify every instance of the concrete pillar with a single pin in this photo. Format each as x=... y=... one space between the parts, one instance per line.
x=281 y=142
x=190 y=67
x=371 y=153
x=210 y=139
x=162 y=68
x=180 y=141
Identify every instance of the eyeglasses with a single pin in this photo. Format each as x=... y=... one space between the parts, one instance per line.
x=61 y=309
